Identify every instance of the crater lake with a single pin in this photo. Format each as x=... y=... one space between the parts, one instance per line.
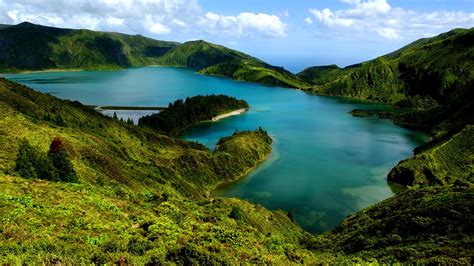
x=325 y=164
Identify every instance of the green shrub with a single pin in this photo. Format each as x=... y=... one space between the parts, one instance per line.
x=237 y=213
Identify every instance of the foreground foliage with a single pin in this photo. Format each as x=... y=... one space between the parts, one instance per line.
x=55 y=165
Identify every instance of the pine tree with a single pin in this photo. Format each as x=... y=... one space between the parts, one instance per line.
x=115 y=116
x=45 y=168
x=26 y=160
x=59 y=121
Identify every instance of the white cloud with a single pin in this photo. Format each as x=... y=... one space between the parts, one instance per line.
x=308 y=21
x=244 y=24
x=115 y=21
x=155 y=26
x=378 y=17
x=149 y=17
x=387 y=33
x=327 y=17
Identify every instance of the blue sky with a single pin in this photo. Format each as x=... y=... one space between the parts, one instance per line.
x=290 y=33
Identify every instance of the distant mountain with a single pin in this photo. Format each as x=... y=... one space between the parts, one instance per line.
x=27 y=46
x=214 y=59
x=426 y=73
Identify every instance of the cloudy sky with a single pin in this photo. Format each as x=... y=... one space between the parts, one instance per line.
x=290 y=33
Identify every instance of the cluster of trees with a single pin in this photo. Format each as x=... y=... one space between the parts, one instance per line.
x=182 y=114
x=128 y=121
x=55 y=165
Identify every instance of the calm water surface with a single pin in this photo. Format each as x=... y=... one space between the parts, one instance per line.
x=325 y=163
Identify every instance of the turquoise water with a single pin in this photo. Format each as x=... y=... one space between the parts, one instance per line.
x=325 y=163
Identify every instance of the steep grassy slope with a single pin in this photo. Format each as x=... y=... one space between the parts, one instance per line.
x=214 y=59
x=426 y=73
x=28 y=46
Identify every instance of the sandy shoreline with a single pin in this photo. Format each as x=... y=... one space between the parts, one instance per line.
x=235 y=112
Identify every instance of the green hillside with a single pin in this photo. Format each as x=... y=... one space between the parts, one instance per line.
x=429 y=72
x=28 y=46
x=319 y=75
x=214 y=59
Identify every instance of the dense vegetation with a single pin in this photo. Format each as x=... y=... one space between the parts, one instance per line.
x=55 y=166
x=182 y=114
x=319 y=75
x=28 y=46
x=140 y=196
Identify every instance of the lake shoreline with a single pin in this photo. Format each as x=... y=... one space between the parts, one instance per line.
x=306 y=126
x=211 y=192
x=229 y=114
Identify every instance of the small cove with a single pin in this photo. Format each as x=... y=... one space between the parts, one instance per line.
x=325 y=165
